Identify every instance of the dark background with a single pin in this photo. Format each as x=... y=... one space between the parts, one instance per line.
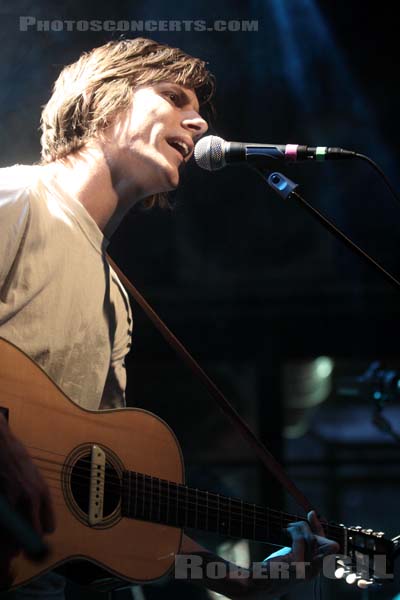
x=251 y=283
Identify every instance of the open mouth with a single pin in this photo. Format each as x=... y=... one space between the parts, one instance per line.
x=180 y=146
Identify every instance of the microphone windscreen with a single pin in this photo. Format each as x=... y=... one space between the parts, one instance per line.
x=209 y=154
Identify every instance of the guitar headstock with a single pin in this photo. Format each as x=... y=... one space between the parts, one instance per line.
x=368 y=557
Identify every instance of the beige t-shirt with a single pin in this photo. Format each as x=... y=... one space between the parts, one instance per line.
x=60 y=301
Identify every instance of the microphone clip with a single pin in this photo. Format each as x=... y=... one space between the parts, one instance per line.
x=281 y=184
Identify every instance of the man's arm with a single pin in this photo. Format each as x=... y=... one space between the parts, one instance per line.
x=26 y=491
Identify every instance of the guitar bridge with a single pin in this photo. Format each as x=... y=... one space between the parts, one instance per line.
x=97 y=480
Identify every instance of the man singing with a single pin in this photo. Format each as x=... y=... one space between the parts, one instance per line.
x=119 y=128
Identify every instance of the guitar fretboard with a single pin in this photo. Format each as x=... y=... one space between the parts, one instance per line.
x=160 y=501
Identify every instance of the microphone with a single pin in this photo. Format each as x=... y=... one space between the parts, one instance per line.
x=376 y=383
x=213 y=153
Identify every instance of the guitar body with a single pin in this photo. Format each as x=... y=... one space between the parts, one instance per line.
x=60 y=436
x=116 y=478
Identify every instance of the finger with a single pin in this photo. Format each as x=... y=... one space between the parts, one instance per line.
x=28 y=507
x=298 y=546
x=304 y=530
x=326 y=546
x=35 y=518
x=315 y=523
x=303 y=541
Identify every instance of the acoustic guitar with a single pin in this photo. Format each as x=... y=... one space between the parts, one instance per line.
x=117 y=483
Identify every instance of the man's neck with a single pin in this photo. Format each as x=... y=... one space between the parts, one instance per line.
x=87 y=177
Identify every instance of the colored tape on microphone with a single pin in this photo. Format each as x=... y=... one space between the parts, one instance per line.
x=320 y=153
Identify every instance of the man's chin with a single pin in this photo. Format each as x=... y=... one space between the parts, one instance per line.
x=173 y=179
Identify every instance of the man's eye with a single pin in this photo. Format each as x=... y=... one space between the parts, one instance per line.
x=173 y=97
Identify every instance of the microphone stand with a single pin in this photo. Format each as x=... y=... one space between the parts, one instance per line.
x=287 y=189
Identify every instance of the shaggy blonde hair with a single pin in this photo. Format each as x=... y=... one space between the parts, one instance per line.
x=89 y=93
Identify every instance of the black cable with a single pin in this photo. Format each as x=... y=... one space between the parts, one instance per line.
x=346 y=240
x=380 y=172
x=290 y=192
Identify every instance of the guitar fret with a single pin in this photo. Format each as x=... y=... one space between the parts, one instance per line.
x=177 y=504
x=186 y=506
x=151 y=498
x=241 y=518
x=235 y=517
x=159 y=500
x=139 y=477
x=136 y=490
x=222 y=524
x=180 y=515
x=129 y=494
x=144 y=495
x=193 y=508
x=167 y=501
x=229 y=517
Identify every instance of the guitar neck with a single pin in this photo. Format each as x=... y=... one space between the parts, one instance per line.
x=160 y=501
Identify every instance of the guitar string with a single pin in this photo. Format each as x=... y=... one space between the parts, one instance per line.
x=87 y=472
x=277 y=517
x=260 y=510
x=215 y=498
x=225 y=531
x=177 y=503
x=212 y=530
x=234 y=516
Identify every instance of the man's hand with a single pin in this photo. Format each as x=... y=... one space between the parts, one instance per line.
x=309 y=546
x=24 y=488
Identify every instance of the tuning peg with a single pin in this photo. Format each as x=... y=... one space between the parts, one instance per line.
x=364 y=584
x=342 y=569
x=351 y=578
x=355 y=528
x=340 y=572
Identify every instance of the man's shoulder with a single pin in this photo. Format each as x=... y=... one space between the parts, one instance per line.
x=16 y=183
x=17 y=178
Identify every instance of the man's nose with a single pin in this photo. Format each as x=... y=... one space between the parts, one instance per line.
x=196 y=125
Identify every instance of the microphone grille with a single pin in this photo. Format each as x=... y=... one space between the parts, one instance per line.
x=209 y=153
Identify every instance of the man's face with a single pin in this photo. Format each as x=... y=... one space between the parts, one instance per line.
x=156 y=137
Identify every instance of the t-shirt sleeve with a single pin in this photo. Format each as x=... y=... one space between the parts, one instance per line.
x=14 y=216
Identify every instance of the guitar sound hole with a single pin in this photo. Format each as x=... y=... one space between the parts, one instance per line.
x=80 y=486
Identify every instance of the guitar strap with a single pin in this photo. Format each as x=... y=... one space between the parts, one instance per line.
x=262 y=452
